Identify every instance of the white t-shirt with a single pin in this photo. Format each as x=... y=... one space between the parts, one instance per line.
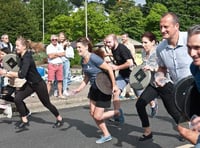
x=54 y=49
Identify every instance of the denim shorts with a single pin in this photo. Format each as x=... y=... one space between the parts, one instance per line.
x=121 y=82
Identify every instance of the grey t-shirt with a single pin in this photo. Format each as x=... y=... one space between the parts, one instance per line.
x=91 y=69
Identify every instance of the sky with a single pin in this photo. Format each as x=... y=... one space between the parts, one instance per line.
x=140 y=2
x=137 y=1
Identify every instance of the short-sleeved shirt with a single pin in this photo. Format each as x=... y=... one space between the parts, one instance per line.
x=176 y=60
x=54 y=49
x=121 y=54
x=91 y=69
x=150 y=60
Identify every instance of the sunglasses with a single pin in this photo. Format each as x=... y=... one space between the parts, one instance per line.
x=54 y=39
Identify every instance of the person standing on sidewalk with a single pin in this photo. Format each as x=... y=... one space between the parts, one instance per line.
x=69 y=54
x=124 y=62
x=92 y=64
x=55 y=53
x=6 y=43
x=34 y=83
x=66 y=65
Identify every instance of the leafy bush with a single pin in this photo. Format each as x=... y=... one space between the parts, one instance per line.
x=40 y=57
x=76 y=61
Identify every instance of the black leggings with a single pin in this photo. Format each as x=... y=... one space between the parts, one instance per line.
x=8 y=91
x=41 y=90
x=167 y=95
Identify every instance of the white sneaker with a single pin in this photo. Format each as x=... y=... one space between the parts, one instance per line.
x=8 y=111
x=55 y=94
x=65 y=93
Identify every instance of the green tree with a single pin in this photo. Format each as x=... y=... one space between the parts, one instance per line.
x=52 y=8
x=187 y=10
x=99 y=24
x=16 y=19
x=74 y=25
x=129 y=18
x=77 y=3
x=61 y=23
x=110 y=4
x=153 y=19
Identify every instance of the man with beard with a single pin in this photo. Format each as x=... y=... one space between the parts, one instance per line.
x=124 y=61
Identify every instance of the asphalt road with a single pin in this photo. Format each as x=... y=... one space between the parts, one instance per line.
x=80 y=131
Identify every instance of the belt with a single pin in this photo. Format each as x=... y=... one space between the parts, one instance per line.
x=56 y=64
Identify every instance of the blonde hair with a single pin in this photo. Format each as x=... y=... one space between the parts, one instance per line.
x=23 y=41
x=54 y=36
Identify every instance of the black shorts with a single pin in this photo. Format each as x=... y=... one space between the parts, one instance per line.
x=101 y=99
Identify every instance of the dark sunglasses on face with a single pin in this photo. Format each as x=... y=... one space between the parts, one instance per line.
x=54 y=39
